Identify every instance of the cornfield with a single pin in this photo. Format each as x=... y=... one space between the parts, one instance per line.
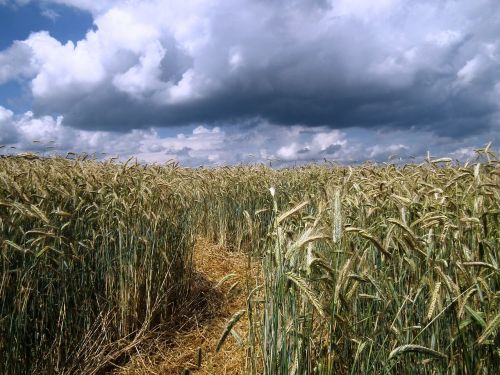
x=366 y=269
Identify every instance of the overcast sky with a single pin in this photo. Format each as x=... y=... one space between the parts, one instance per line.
x=220 y=82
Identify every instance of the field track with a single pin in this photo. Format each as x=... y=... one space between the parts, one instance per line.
x=207 y=313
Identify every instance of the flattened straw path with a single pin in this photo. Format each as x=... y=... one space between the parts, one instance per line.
x=215 y=305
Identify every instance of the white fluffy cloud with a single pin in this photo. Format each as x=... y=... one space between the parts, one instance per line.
x=8 y=133
x=15 y=62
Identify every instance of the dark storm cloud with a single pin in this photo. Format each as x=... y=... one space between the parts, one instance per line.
x=433 y=66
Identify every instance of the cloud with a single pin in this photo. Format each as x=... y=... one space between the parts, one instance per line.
x=8 y=133
x=347 y=63
x=385 y=151
x=28 y=132
x=332 y=149
x=324 y=74
x=256 y=142
x=50 y=14
x=15 y=62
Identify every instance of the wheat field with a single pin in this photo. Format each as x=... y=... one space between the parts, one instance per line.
x=376 y=268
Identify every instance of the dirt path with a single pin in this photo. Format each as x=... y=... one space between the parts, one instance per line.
x=206 y=318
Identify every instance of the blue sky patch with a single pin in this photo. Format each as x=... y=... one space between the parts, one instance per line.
x=62 y=22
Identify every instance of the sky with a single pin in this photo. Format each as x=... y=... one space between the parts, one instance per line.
x=217 y=82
